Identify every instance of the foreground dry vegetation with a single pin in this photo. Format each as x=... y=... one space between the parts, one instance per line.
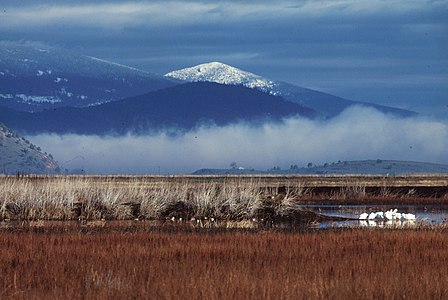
x=73 y=198
x=123 y=263
x=224 y=198
x=95 y=257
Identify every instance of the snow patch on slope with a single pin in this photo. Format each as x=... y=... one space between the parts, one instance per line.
x=35 y=70
x=31 y=98
x=38 y=99
x=223 y=74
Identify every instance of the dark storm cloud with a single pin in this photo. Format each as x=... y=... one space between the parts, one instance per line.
x=389 y=52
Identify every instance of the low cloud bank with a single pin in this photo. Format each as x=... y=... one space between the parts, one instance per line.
x=358 y=133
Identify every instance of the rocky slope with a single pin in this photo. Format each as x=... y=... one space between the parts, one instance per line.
x=17 y=155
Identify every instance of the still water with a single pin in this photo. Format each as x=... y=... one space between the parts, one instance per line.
x=425 y=215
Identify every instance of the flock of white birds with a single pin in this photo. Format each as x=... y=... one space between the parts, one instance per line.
x=390 y=217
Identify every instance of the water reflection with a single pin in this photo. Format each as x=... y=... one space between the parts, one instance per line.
x=425 y=215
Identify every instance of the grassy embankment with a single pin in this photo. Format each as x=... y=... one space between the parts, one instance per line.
x=110 y=262
x=219 y=197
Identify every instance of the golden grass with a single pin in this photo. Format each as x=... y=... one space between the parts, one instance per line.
x=225 y=197
x=68 y=198
x=113 y=262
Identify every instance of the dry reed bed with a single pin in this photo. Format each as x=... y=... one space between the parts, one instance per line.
x=410 y=180
x=67 y=198
x=120 y=198
x=356 y=264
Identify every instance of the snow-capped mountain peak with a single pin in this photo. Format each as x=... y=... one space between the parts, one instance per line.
x=324 y=104
x=224 y=74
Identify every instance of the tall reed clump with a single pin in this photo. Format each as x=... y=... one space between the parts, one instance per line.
x=228 y=200
x=84 y=198
x=155 y=198
x=28 y=199
x=237 y=200
x=60 y=198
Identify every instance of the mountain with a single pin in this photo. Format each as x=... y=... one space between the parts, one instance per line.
x=391 y=167
x=19 y=155
x=181 y=107
x=224 y=74
x=34 y=77
x=325 y=104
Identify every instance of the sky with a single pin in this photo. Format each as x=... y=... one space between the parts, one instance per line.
x=388 y=52
x=392 y=52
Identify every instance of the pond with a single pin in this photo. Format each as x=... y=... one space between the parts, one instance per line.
x=344 y=216
x=425 y=215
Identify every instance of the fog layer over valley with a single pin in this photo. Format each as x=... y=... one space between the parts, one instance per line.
x=356 y=134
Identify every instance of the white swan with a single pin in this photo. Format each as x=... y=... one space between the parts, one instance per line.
x=372 y=223
x=389 y=223
x=372 y=216
x=397 y=216
x=408 y=216
x=389 y=214
x=363 y=216
x=363 y=223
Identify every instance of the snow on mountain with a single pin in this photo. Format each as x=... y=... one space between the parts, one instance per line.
x=325 y=104
x=34 y=77
x=32 y=99
x=183 y=107
x=223 y=74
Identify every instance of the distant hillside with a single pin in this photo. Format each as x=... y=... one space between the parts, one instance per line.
x=19 y=155
x=35 y=76
x=183 y=107
x=391 y=167
x=324 y=104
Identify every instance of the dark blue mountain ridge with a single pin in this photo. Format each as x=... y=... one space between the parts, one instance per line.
x=181 y=107
x=326 y=105
x=330 y=105
x=378 y=166
x=34 y=76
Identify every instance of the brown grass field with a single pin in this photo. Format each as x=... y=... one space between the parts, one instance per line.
x=111 y=237
x=128 y=262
